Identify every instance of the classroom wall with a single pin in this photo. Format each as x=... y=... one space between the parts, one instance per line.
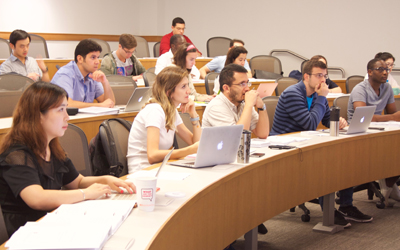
x=347 y=33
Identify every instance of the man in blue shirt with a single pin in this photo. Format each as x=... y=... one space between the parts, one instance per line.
x=302 y=107
x=218 y=63
x=83 y=81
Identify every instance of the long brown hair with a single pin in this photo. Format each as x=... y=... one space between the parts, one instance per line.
x=234 y=53
x=181 y=53
x=26 y=128
x=164 y=86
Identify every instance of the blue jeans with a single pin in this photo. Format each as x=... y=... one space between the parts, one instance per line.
x=346 y=198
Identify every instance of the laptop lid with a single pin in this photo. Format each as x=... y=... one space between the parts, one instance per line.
x=362 y=117
x=266 y=89
x=166 y=158
x=218 y=145
x=139 y=97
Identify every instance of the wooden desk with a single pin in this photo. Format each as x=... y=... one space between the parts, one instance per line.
x=222 y=211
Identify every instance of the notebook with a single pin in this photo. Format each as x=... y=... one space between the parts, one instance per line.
x=266 y=89
x=218 y=145
x=138 y=98
x=362 y=117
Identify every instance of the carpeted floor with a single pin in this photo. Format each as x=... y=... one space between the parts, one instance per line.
x=287 y=231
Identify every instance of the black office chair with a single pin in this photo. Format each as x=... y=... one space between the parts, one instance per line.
x=342 y=102
x=271 y=102
x=142 y=49
x=209 y=82
x=178 y=142
x=266 y=63
x=105 y=47
x=75 y=144
x=152 y=70
x=119 y=133
x=283 y=83
x=5 y=49
x=38 y=47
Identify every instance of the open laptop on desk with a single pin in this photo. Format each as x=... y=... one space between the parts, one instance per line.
x=218 y=145
x=138 y=98
x=266 y=89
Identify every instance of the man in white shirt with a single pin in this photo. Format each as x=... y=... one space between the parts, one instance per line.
x=166 y=59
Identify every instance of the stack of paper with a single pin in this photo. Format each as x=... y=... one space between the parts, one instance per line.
x=85 y=225
x=99 y=111
x=259 y=143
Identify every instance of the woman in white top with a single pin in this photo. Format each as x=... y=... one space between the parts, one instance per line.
x=185 y=58
x=153 y=130
x=389 y=60
x=236 y=55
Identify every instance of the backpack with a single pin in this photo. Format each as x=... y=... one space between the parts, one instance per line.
x=103 y=164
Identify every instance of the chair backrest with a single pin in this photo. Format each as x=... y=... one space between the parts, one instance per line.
x=352 y=81
x=13 y=82
x=209 y=82
x=3 y=229
x=186 y=120
x=38 y=47
x=120 y=135
x=152 y=70
x=218 y=46
x=156 y=49
x=123 y=87
x=342 y=102
x=142 y=49
x=283 y=83
x=75 y=144
x=149 y=78
x=266 y=63
x=105 y=47
x=302 y=65
x=8 y=102
x=397 y=102
x=5 y=49
x=271 y=102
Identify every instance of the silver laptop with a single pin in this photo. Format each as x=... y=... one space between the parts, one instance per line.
x=218 y=145
x=362 y=117
x=138 y=98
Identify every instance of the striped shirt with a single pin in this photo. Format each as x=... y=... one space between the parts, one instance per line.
x=292 y=114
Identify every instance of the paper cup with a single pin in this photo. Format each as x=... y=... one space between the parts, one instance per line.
x=146 y=192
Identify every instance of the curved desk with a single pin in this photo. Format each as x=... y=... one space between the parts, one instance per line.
x=229 y=203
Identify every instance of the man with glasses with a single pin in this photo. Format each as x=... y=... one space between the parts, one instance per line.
x=235 y=105
x=301 y=107
x=123 y=61
x=376 y=91
x=82 y=80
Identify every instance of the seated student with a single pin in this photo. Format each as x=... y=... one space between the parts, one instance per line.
x=376 y=91
x=178 y=27
x=34 y=167
x=122 y=61
x=332 y=86
x=185 y=58
x=218 y=63
x=389 y=61
x=20 y=63
x=153 y=130
x=236 y=55
x=301 y=107
x=228 y=108
x=81 y=79
x=166 y=59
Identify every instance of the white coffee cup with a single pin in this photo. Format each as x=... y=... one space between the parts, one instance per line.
x=146 y=192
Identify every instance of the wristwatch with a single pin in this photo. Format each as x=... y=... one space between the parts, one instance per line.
x=263 y=108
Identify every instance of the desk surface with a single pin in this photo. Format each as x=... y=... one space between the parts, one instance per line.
x=224 y=202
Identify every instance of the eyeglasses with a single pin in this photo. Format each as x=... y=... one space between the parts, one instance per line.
x=320 y=75
x=243 y=84
x=381 y=69
x=390 y=65
x=128 y=52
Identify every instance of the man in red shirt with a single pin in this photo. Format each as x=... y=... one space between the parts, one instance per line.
x=178 y=27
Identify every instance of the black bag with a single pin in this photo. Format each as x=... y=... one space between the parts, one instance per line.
x=101 y=164
x=262 y=74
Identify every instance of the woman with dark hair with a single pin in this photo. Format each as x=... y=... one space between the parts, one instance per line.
x=333 y=87
x=33 y=165
x=236 y=55
x=185 y=58
x=153 y=130
x=389 y=61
